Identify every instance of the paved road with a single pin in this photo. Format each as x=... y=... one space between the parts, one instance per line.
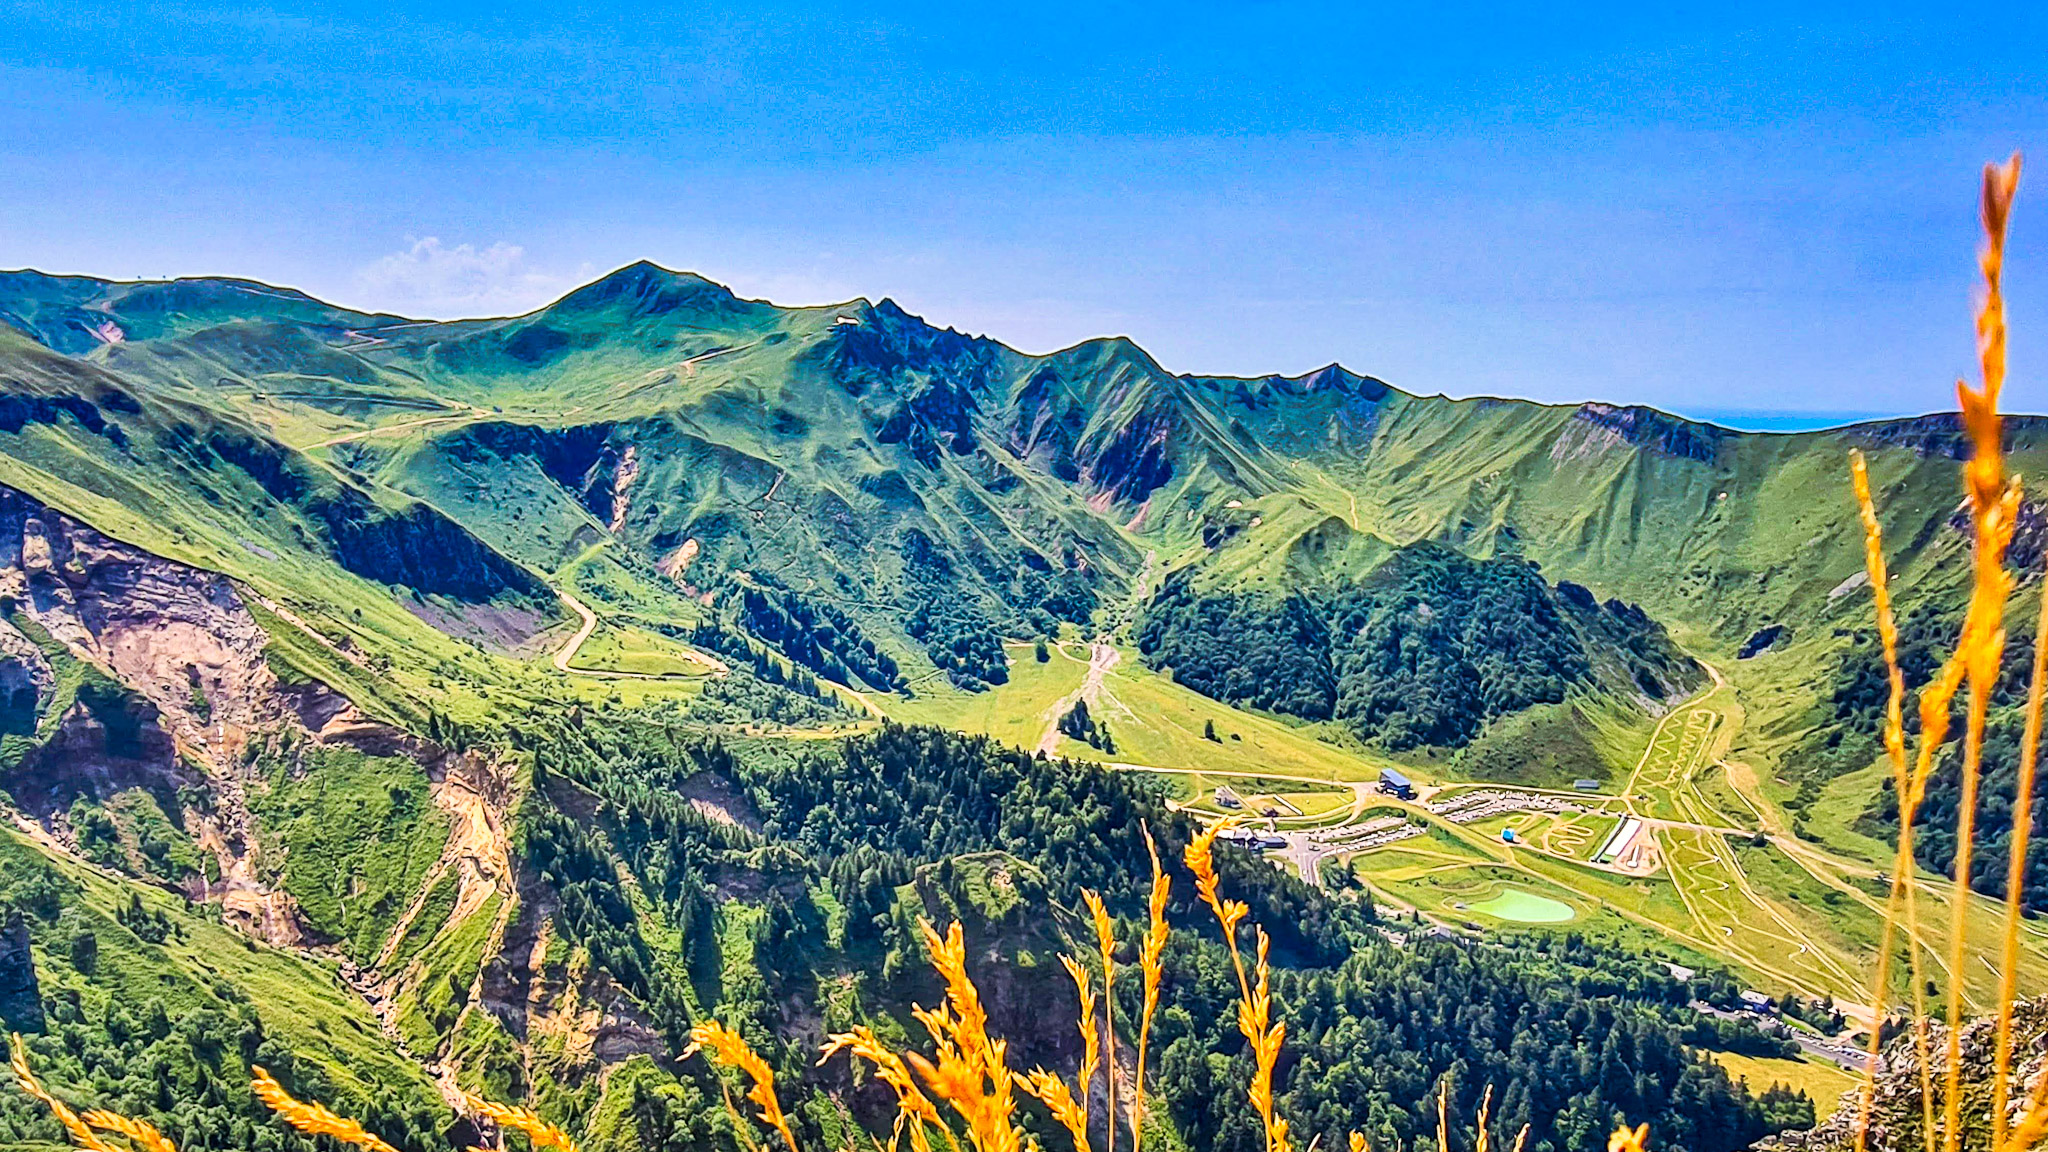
x=1843 y=1054
x=567 y=652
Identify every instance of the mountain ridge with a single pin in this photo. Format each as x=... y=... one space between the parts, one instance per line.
x=641 y=276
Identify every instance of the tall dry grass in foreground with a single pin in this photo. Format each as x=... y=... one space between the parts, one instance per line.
x=1993 y=503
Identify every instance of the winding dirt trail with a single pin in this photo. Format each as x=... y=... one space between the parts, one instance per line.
x=568 y=650
x=402 y=425
x=1101 y=658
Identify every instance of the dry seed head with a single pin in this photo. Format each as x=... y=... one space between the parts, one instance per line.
x=1105 y=942
x=1151 y=949
x=986 y=1107
x=541 y=1133
x=1994 y=504
x=315 y=1119
x=949 y=959
x=1091 y=1039
x=1264 y=1034
x=722 y=1045
x=2001 y=181
x=913 y=1108
x=1909 y=786
x=1887 y=626
x=971 y=1071
x=17 y=1058
x=1201 y=860
x=1626 y=1139
x=1059 y=1100
x=140 y=1133
x=1443 y=1118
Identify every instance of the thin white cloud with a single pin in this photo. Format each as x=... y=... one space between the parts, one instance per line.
x=434 y=279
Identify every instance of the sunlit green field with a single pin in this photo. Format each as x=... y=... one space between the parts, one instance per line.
x=1154 y=721
x=639 y=652
x=1822 y=1081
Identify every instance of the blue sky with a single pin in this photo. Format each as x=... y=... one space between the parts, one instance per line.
x=1720 y=209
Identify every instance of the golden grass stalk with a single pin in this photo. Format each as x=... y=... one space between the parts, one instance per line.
x=1254 y=1006
x=2022 y=827
x=1091 y=1039
x=1105 y=943
x=1264 y=1034
x=1993 y=500
x=1443 y=1117
x=1200 y=858
x=970 y=1071
x=140 y=1133
x=1626 y=1139
x=538 y=1131
x=1151 y=950
x=723 y=1046
x=1358 y=1143
x=1521 y=1138
x=81 y=1133
x=1485 y=1107
x=1994 y=508
x=914 y=1110
x=313 y=1119
x=1059 y=1100
x=1903 y=787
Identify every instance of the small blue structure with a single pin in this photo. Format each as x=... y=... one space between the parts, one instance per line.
x=1394 y=783
x=1508 y=835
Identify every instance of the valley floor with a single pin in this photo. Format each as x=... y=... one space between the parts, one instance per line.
x=1688 y=858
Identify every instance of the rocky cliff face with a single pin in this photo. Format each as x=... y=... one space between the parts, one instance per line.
x=21 y=998
x=180 y=653
x=168 y=685
x=180 y=637
x=1897 y=1109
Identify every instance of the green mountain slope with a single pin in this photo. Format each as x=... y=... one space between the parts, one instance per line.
x=518 y=684
x=883 y=502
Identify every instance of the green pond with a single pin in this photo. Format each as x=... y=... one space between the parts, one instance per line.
x=1526 y=907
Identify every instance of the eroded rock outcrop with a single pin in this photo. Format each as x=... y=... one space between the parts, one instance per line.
x=21 y=997
x=1896 y=1111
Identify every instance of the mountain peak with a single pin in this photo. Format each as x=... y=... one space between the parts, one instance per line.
x=644 y=288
